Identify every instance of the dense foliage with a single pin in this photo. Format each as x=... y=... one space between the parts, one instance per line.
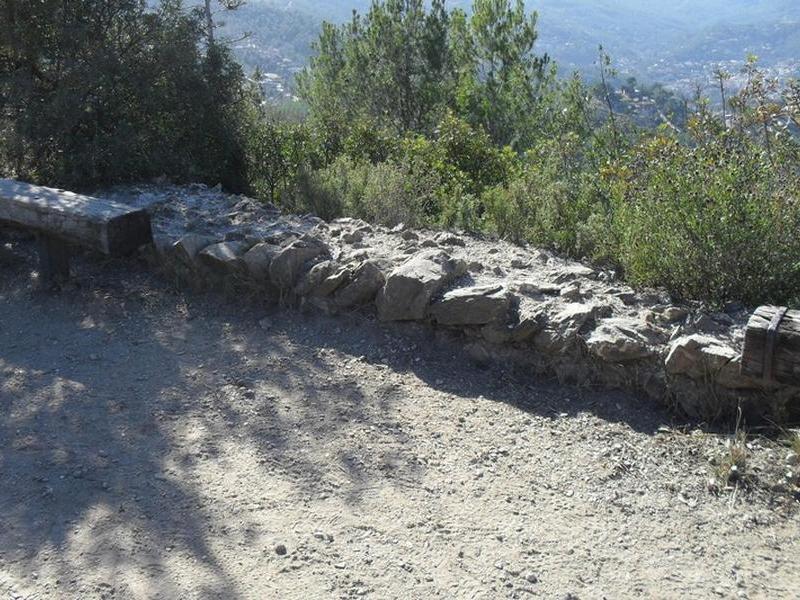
x=109 y=90
x=402 y=67
x=426 y=116
x=446 y=119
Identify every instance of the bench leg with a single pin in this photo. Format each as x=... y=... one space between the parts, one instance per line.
x=53 y=260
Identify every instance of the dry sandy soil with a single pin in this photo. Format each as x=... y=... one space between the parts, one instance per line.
x=159 y=445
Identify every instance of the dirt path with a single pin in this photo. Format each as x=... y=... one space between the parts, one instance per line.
x=158 y=446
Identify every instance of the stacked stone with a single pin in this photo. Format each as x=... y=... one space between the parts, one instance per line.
x=520 y=306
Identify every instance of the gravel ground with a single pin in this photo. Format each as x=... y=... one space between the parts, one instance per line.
x=158 y=445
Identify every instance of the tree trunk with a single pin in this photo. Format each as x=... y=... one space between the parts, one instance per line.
x=209 y=23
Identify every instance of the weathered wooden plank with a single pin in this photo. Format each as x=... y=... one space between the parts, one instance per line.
x=785 y=361
x=110 y=227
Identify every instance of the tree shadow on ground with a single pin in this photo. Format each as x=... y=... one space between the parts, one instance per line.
x=116 y=393
x=96 y=387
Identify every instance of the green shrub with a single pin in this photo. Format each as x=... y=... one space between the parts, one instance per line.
x=106 y=91
x=552 y=200
x=389 y=193
x=423 y=181
x=462 y=156
x=368 y=141
x=316 y=194
x=717 y=221
x=279 y=154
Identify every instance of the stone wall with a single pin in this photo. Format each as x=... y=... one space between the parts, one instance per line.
x=518 y=305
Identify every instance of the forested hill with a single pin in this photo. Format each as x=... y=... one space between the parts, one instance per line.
x=676 y=43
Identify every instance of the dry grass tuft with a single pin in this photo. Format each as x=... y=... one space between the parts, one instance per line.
x=794 y=442
x=732 y=467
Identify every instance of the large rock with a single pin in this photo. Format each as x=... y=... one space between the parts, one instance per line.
x=532 y=320
x=410 y=287
x=707 y=358
x=224 y=258
x=573 y=272
x=258 y=259
x=160 y=253
x=728 y=365
x=621 y=340
x=563 y=327
x=352 y=237
x=666 y=314
x=287 y=266
x=163 y=245
x=323 y=279
x=572 y=292
x=367 y=279
x=449 y=239
x=473 y=306
x=336 y=279
x=190 y=245
x=685 y=355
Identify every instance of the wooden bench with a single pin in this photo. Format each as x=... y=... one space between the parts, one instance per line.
x=61 y=218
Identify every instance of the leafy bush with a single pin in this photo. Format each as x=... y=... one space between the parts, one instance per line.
x=432 y=181
x=463 y=153
x=390 y=192
x=103 y=91
x=551 y=200
x=717 y=221
x=279 y=153
x=465 y=162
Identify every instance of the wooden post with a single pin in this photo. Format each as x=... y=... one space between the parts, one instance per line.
x=772 y=345
x=53 y=259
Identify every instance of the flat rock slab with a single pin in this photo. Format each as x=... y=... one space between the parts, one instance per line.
x=472 y=306
x=621 y=340
x=225 y=257
x=109 y=227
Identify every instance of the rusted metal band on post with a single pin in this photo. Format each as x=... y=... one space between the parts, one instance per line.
x=772 y=338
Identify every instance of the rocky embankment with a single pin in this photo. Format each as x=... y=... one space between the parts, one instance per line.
x=519 y=305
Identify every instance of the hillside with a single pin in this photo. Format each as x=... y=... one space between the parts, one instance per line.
x=676 y=43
